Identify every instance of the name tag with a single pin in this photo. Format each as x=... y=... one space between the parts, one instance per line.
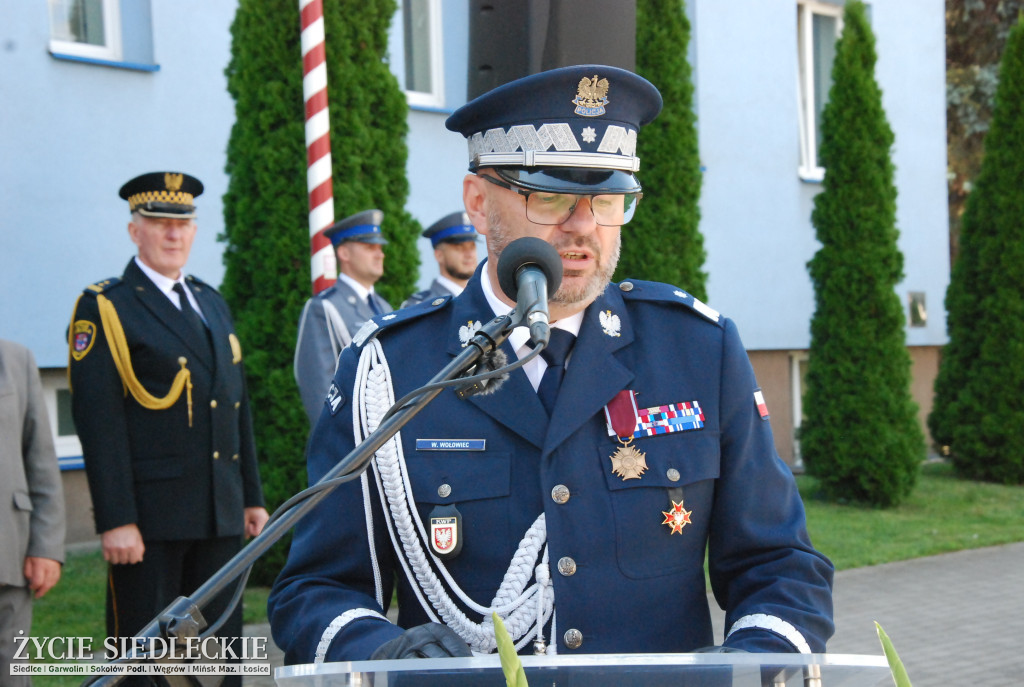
x=451 y=444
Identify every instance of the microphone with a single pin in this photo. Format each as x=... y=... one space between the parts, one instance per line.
x=529 y=271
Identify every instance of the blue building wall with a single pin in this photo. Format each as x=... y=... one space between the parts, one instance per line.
x=74 y=132
x=755 y=209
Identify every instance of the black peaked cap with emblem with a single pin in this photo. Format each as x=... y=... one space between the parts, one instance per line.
x=363 y=227
x=566 y=130
x=163 y=194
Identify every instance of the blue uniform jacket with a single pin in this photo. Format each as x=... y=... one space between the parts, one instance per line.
x=636 y=586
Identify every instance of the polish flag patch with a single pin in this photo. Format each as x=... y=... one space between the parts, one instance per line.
x=762 y=407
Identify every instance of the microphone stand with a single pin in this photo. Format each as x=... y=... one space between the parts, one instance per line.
x=182 y=619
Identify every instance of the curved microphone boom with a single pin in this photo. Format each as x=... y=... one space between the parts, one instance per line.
x=529 y=272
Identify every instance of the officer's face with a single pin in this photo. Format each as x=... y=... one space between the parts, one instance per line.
x=164 y=243
x=589 y=252
x=456 y=260
x=364 y=262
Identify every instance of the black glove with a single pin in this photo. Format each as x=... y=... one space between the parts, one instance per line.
x=718 y=650
x=432 y=640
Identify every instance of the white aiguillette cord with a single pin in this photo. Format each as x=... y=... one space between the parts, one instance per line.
x=524 y=609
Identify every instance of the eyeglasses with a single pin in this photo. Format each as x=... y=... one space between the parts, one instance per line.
x=544 y=207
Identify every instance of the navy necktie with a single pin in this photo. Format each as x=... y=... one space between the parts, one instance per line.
x=373 y=304
x=554 y=354
x=194 y=320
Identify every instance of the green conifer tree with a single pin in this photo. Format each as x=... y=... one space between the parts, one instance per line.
x=663 y=241
x=267 y=276
x=979 y=404
x=861 y=438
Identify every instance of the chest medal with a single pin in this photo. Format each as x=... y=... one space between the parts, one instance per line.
x=621 y=414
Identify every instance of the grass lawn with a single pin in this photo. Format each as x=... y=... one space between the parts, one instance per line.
x=943 y=514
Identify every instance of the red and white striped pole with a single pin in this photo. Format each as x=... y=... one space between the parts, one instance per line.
x=323 y=265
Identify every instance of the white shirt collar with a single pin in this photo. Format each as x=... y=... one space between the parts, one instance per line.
x=520 y=336
x=164 y=283
x=447 y=283
x=360 y=290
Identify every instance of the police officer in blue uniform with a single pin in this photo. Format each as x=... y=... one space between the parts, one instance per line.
x=330 y=318
x=579 y=509
x=453 y=238
x=161 y=408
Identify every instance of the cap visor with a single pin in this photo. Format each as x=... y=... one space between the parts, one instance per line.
x=571 y=179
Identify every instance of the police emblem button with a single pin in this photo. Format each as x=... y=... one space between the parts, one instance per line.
x=566 y=566
x=573 y=638
x=444 y=491
x=672 y=474
x=437 y=301
x=560 y=493
x=626 y=286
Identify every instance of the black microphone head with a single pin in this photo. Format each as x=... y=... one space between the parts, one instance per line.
x=528 y=250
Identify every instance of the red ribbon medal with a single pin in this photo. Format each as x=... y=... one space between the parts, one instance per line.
x=622 y=416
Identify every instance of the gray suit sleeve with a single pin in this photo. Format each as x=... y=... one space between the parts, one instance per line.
x=46 y=532
x=314 y=359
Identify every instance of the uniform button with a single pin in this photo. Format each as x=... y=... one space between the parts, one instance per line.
x=444 y=491
x=216 y=455
x=566 y=566
x=182 y=360
x=672 y=474
x=234 y=457
x=573 y=638
x=560 y=493
x=238 y=404
x=213 y=403
x=626 y=286
x=437 y=301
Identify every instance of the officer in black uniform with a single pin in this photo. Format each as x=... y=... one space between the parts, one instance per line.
x=454 y=240
x=160 y=404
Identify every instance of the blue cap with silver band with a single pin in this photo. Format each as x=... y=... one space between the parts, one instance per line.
x=363 y=227
x=567 y=130
x=453 y=228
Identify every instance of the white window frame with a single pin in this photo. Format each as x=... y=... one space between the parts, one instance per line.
x=435 y=97
x=796 y=380
x=809 y=169
x=68 y=446
x=111 y=51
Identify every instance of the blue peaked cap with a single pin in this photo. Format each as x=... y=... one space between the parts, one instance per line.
x=453 y=228
x=572 y=129
x=363 y=227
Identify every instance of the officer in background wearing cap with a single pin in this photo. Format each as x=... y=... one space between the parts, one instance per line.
x=331 y=318
x=454 y=240
x=161 y=408
x=578 y=498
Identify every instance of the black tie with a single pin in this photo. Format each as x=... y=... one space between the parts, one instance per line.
x=373 y=304
x=554 y=354
x=194 y=320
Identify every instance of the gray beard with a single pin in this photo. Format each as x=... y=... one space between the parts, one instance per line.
x=589 y=291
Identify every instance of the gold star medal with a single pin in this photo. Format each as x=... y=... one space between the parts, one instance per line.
x=621 y=414
x=677 y=518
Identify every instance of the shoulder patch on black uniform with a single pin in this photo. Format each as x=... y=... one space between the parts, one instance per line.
x=373 y=328
x=635 y=289
x=101 y=286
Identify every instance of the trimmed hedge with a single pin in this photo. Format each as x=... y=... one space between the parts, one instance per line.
x=979 y=404
x=663 y=242
x=267 y=257
x=860 y=438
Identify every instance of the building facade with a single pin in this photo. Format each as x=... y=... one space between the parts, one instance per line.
x=97 y=91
